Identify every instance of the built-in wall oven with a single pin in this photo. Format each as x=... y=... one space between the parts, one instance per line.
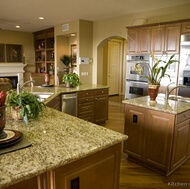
x=136 y=84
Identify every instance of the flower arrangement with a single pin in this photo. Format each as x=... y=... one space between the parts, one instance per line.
x=158 y=70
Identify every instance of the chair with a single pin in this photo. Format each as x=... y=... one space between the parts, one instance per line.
x=5 y=84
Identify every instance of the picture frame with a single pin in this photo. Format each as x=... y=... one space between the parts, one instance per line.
x=73 y=55
x=14 y=53
x=2 y=52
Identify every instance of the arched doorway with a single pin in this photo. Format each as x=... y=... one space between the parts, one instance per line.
x=111 y=64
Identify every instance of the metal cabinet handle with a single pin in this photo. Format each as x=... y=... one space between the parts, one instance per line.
x=186 y=116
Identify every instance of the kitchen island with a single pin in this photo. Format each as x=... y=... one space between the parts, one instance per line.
x=66 y=152
x=159 y=135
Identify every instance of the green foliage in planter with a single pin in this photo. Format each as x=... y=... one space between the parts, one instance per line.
x=66 y=59
x=29 y=104
x=72 y=79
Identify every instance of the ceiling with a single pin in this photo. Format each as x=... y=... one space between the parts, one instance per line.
x=25 y=13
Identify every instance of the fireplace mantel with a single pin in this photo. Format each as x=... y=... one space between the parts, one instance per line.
x=12 y=69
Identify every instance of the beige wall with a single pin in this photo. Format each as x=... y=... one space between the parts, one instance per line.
x=26 y=40
x=83 y=40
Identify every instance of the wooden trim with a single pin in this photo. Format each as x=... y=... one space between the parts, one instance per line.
x=159 y=23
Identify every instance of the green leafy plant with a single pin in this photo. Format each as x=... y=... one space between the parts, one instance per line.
x=72 y=79
x=158 y=70
x=27 y=103
x=66 y=59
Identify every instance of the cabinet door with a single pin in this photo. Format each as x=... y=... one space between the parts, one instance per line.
x=185 y=28
x=159 y=136
x=172 y=38
x=101 y=109
x=55 y=103
x=101 y=105
x=157 y=39
x=134 y=128
x=181 y=140
x=132 y=41
x=144 y=40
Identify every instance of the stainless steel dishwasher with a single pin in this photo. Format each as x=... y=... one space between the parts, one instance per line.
x=69 y=103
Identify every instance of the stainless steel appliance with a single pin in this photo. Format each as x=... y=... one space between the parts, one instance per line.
x=136 y=68
x=184 y=70
x=69 y=103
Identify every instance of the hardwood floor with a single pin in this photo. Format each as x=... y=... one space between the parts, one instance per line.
x=133 y=176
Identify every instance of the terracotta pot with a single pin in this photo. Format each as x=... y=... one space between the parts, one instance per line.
x=2 y=121
x=153 y=92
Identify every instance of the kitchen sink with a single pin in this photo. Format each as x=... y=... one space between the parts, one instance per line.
x=42 y=95
x=179 y=99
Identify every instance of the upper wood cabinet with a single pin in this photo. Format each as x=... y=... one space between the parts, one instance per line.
x=165 y=39
x=139 y=40
x=185 y=27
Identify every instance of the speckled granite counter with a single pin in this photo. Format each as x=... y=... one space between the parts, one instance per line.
x=57 y=139
x=56 y=90
x=170 y=106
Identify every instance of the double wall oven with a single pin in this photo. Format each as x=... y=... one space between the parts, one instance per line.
x=136 y=68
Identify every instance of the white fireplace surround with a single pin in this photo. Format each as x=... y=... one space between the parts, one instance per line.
x=12 y=69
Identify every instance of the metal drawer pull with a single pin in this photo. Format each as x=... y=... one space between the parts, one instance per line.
x=186 y=116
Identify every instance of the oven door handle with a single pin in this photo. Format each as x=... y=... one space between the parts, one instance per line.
x=137 y=82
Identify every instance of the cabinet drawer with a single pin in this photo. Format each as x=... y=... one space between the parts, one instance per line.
x=87 y=108
x=101 y=92
x=88 y=117
x=85 y=93
x=85 y=100
x=183 y=116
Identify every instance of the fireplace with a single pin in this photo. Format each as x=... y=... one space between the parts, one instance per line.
x=13 y=79
x=13 y=71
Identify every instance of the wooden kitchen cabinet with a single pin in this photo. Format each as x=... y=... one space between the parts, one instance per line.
x=101 y=105
x=92 y=105
x=85 y=105
x=185 y=28
x=134 y=126
x=97 y=171
x=181 y=151
x=139 y=40
x=165 y=39
x=157 y=140
x=55 y=103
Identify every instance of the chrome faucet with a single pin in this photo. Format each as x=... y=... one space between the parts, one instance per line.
x=19 y=87
x=168 y=92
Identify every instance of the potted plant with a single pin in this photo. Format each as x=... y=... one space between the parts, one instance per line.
x=24 y=105
x=156 y=73
x=66 y=59
x=71 y=80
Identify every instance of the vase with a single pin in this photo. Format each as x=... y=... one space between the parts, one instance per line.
x=2 y=122
x=15 y=113
x=153 y=92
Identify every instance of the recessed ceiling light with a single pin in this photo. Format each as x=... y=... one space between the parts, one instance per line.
x=41 y=18
x=73 y=35
x=17 y=26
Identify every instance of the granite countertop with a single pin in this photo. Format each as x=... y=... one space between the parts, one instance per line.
x=170 y=106
x=57 y=139
x=60 y=89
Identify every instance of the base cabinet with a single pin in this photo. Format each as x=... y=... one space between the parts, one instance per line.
x=92 y=105
x=157 y=140
x=100 y=170
x=55 y=103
